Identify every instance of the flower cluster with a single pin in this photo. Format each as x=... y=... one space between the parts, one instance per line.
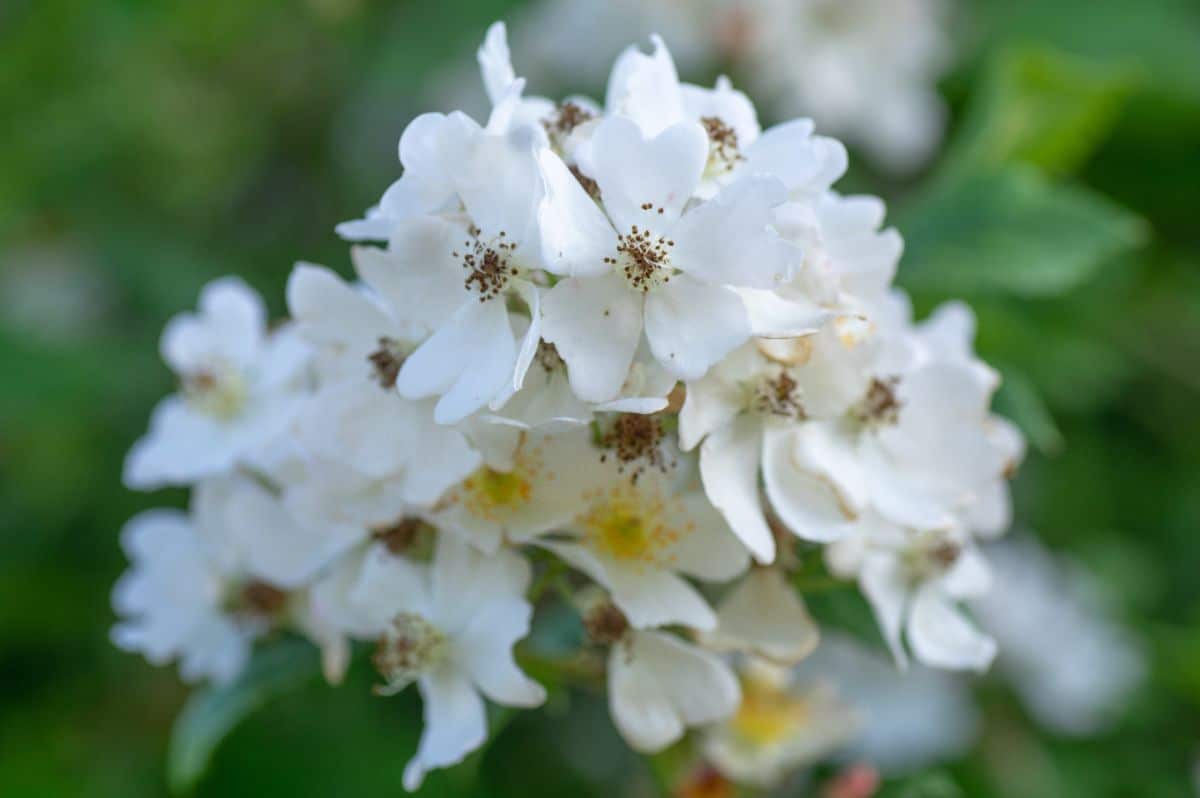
x=642 y=351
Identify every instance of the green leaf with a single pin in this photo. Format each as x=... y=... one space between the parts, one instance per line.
x=1019 y=400
x=211 y=713
x=1040 y=107
x=1011 y=232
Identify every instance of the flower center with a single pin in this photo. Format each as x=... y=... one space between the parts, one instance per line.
x=636 y=442
x=723 y=153
x=880 y=407
x=387 y=360
x=547 y=357
x=403 y=536
x=931 y=554
x=489 y=265
x=778 y=396
x=563 y=122
x=643 y=258
x=768 y=715
x=220 y=391
x=605 y=624
x=627 y=524
x=256 y=601
x=410 y=646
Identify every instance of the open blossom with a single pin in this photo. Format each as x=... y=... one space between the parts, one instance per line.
x=239 y=388
x=449 y=627
x=915 y=580
x=782 y=723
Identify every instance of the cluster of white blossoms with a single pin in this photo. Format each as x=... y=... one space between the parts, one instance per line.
x=641 y=351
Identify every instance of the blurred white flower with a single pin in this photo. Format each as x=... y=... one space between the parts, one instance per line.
x=1069 y=660
x=240 y=386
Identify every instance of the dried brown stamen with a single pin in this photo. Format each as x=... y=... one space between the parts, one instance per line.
x=590 y=186
x=489 y=266
x=643 y=258
x=605 y=624
x=780 y=397
x=723 y=150
x=568 y=117
x=636 y=441
x=261 y=599
x=400 y=537
x=387 y=360
x=880 y=405
x=548 y=357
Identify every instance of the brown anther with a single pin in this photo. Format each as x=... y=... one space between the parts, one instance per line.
x=548 y=357
x=643 y=258
x=489 y=266
x=387 y=360
x=262 y=599
x=945 y=553
x=568 y=117
x=605 y=624
x=781 y=397
x=401 y=536
x=880 y=405
x=590 y=186
x=636 y=441
x=722 y=143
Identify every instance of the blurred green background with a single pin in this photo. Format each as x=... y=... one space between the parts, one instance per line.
x=149 y=146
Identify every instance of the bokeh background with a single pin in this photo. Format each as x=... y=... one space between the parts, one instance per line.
x=147 y=147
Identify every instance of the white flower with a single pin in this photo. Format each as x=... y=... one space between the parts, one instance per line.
x=1068 y=658
x=907 y=719
x=635 y=535
x=764 y=615
x=658 y=686
x=915 y=581
x=640 y=261
x=450 y=628
x=171 y=600
x=539 y=489
x=747 y=411
x=356 y=419
x=239 y=388
x=782 y=723
x=202 y=587
x=866 y=69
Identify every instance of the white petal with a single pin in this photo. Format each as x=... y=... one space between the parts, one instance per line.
x=649 y=596
x=495 y=63
x=661 y=685
x=417 y=275
x=645 y=88
x=276 y=546
x=941 y=637
x=330 y=312
x=486 y=649
x=886 y=586
x=455 y=724
x=633 y=171
x=806 y=503
x=725 y=103
x=576 y=236
x=729 y=465
x=807 y=164
x=729 y=239
x=595 y=323
x=708 y=549
x=465 y=581
x=690 y=326
x=763 y=614
x=181 y=446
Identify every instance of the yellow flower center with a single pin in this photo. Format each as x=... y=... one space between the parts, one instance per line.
x=631 y=524
x=768 y=714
